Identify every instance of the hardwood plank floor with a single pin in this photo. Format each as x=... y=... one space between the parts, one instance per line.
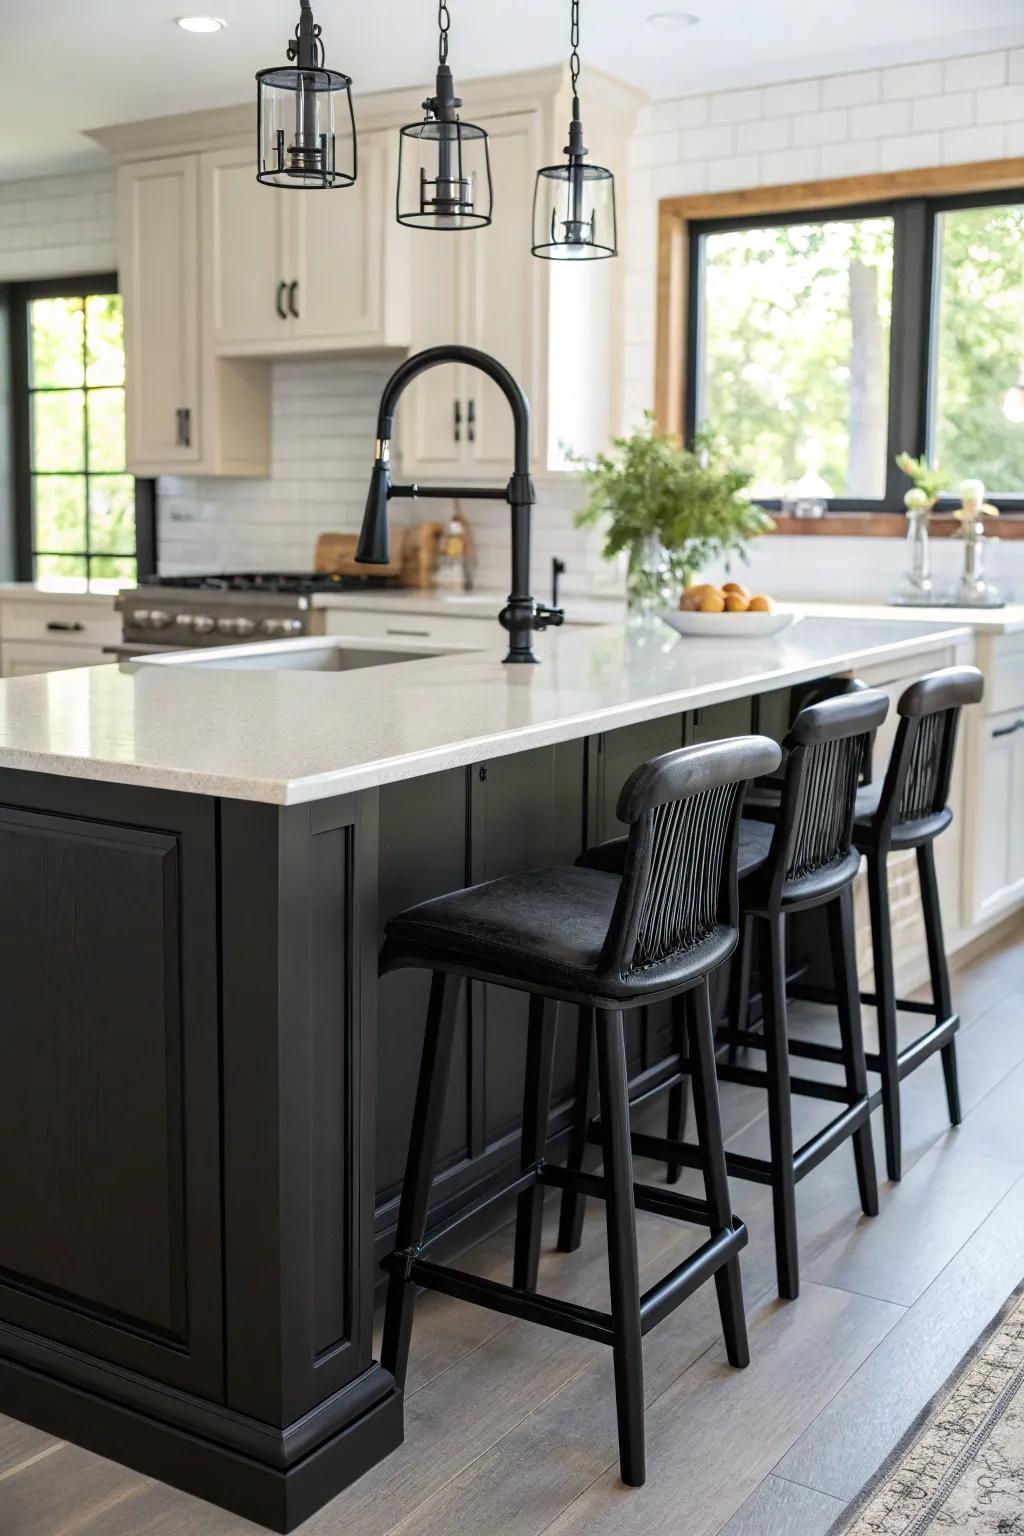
x=511 y=1429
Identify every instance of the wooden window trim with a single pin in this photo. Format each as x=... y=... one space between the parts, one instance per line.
x=676 y=214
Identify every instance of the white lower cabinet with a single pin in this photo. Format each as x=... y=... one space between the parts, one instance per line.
x=40 y=635
x=999 y=817
x=22 y=658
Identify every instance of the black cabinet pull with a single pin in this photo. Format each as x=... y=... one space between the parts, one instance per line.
x=282 y=289
x=471 y=422
x=293 y=289
x=58 y=627
x=457 y=420
x=412 y=634
x=183 y=426
x=1008 y=730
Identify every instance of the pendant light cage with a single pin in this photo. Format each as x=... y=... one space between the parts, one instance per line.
x=574 y=216
x=306 y=126
x=444 y=164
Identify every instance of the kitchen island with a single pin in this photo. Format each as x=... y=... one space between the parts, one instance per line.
x=206 y=1091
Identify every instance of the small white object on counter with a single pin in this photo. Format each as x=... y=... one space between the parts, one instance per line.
x=293 y=737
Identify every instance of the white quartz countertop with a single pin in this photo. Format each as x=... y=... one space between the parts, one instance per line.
x=290 y=737
x=988 y=621
x=469 y=605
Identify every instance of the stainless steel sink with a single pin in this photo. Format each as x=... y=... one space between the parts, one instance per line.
x=332 y=653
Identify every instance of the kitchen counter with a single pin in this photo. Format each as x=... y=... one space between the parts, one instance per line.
x=579 y=609
x=987 y=621
x=208 y=1090
x=289 y=738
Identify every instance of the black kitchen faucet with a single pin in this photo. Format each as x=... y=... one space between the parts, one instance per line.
x=522 y=614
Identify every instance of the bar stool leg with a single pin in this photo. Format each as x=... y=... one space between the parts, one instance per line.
x=708 y=1117
x=844 y=965
x=780 y=1106
x=676 y=1127
x=570 y=1223
x=428 y=1114
x=885 y=993
x=623 y=1274
x=941 y=993
x=540 y=1059
x=739 y=985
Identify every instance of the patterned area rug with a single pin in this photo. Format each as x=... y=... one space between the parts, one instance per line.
x=960 y=1467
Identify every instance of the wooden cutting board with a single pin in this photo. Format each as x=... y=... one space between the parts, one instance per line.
x=336 y=556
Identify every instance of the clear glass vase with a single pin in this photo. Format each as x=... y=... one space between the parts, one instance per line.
x=651 y=582
x=917 y=585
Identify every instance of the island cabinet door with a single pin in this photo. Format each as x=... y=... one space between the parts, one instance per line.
x=110 y=1217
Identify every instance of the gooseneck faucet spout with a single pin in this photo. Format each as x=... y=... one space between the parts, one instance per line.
x=522 y=614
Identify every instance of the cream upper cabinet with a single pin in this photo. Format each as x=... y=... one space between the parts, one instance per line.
x=290 y=273
x=482 y=288
x=245 y=252
x=158 y=210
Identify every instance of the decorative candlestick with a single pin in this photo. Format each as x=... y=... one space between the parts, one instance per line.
x=974 y=591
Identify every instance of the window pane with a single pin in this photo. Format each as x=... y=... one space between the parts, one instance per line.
x=59 y=512
x=977 y=417
x=106 y=429
x=112 y=514
x=794 y=367
x=59 y=565
x=104 y=339
x=110 y=568
x=58 y=437
x=57 y=329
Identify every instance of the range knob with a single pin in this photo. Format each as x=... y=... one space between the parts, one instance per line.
x=154 y=618
x=240 y=627
x=202 y=624
x=279 y=628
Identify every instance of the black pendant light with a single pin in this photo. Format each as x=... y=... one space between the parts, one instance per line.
x=574 y=204
x=444 y=166
x=306 y=130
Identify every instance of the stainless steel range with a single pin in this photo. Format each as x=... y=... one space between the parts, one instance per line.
x=168 y=613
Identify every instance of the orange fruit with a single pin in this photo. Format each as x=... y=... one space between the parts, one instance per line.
x=712 y=602
x=736 y=602
x=762 y=604
x=738 y=588
x=691 y=597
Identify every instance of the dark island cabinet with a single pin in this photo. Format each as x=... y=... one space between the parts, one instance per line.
x=109 y=1100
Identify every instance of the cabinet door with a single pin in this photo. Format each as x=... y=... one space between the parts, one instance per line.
x=502 y=286
x=337 y=255
x=431 y=426
x=158 y=210
x=25 y=658
x=245 y=263
x=1001 y=812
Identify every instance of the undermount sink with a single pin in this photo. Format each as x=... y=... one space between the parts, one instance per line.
x=332 y=653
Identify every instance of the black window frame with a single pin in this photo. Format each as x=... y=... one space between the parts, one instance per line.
x=915 y=297
x=20 y=296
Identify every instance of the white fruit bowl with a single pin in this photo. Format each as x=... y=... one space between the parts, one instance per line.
x=727 y=626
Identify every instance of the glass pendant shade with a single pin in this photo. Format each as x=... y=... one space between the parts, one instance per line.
x=444 y=176
x=574 y=212
x=306 y=128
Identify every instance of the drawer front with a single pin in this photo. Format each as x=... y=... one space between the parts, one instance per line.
x=436 y=629
x=61 y=623
x=1006 y=684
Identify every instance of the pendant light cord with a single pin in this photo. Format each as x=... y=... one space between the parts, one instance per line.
x=444 y=21
x=574 y=42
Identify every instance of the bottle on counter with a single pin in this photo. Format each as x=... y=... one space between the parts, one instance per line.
x=455 y=552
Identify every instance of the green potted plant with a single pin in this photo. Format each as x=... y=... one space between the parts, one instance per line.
x=670 y=509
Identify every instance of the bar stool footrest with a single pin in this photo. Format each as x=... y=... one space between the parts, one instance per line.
x=646 y=1197
x=566 y=1316
x=662 y=1299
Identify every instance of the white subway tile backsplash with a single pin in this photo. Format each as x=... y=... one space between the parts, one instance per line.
x=821 y=128
x=736 y=171
x=736 y=106
x=975 y=72
x=910 y=80
x=793 y=97
x=861 y=158
x=689 y=112
x=881 y=121
x=1001 y=104
x=854 y=90
x=1016 y=66
x=751 y=138
x=936 y=112
x=655 y=149
x=912 y=151
x=789 y=165
x=707 y=143
x=964 y=144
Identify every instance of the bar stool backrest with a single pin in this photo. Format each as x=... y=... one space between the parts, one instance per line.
x=917 y=779
x=679 y=878
x=824 y=755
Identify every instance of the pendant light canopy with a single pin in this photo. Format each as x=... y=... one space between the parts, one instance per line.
x=574 y=204
x=444 y=165
x=306 y=124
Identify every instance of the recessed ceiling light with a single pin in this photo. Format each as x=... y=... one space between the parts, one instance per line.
x=673 y=19
x=201 y=23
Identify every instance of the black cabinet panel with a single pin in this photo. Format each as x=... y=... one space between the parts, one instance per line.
x=109 y=1128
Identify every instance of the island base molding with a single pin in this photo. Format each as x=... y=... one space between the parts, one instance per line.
x=277 y=1478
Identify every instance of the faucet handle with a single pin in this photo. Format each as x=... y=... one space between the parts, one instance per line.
x=545 y=617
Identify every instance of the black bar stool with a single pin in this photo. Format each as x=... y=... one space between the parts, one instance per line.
x=909 y=810
x=606 y=943
x=794 y=854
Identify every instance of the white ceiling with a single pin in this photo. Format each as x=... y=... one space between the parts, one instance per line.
x=70 y=65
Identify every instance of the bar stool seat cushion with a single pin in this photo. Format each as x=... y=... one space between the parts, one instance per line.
x=545 y=929
x=905 y=834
